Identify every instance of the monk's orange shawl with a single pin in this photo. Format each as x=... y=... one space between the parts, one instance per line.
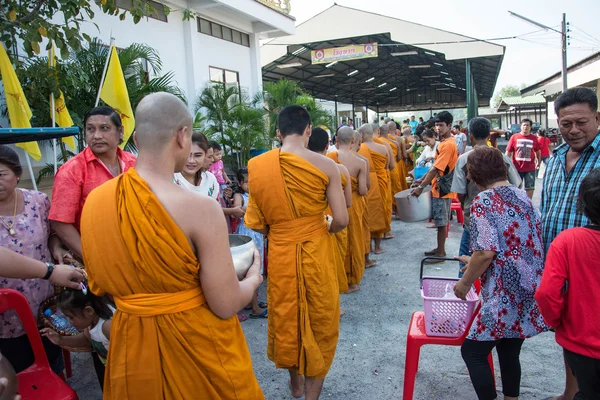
x=375 y=196
x=289 y=199
x=165 y=342
x=383 y=179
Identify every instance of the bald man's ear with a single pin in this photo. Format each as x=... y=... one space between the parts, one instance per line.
x=308 y=130
x=279 y=135
x=182 y=135
x=135 y=138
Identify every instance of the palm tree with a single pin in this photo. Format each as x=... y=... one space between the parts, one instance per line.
x=244 y=132
x=217 y=101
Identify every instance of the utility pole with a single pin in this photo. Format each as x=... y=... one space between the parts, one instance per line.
x=564 y=34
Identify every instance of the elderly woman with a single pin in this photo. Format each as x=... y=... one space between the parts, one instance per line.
x=507 y=256
x=24 y=229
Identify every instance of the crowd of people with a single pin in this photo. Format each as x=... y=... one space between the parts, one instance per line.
x=159 y=306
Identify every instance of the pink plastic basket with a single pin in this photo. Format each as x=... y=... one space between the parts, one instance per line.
x=446 y=317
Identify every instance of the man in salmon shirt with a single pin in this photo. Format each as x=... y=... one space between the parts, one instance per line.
x=445 y=161
x=101 y=161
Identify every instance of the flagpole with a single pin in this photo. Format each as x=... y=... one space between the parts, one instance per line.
x=53 y=125
x=112 y=43
x=31 y=171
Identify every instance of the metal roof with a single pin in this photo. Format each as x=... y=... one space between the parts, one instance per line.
x=396 y=86
x=519 y=101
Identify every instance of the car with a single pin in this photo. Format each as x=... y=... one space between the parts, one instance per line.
x=514 y=128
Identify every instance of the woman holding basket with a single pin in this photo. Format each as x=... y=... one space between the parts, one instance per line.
x=507 y=256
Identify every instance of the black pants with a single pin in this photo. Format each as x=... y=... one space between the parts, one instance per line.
x=475 y=354
x=20 y=354
x=100 y=368
x=587 y=372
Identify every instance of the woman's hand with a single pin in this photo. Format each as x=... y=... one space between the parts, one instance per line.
x=254 y=271
x=465 y=260
x=52 y=336
x=59 y=253
x=68 y=276
x=461 y=289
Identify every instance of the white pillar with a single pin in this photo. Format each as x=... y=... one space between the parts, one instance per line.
x=255 y=65
x=189 y=29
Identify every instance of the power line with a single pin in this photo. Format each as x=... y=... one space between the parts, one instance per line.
x=587 y=34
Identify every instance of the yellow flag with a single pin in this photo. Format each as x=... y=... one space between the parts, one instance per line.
x=61 y=114
x=18 y=109
x=114 y=93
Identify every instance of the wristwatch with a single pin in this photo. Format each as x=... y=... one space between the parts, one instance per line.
x=50 y=270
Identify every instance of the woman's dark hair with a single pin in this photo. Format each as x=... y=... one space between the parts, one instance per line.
x=428 y=133
x=486 y=166
x=214 y=145
x=588 y=201
x=202 y=142
x=10 y=158
x=110 y=112
x=241 y=176
x=74 y=301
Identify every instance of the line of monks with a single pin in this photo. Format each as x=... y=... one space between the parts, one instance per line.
x=175 y=333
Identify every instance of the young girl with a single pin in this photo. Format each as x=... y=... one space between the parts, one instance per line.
x=240 y=199
x=92 y=316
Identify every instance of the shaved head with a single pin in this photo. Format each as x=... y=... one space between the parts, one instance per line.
x=387 y=120
x=366 y=130
x=384 y=128
x=392 y=125
x=357 y=137
x=158 y=118
x=345 y=135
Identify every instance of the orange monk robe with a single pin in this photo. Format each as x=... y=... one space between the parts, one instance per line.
x=365 y=224
x=341 y=239
x=395 y=174
x=354 y=260
x=377 y=194
x=288 y=198
x=402 y=169
x=166 y=343
x=386 y=188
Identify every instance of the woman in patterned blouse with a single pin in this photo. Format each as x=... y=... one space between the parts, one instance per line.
x=508 y=257
x=24 y=229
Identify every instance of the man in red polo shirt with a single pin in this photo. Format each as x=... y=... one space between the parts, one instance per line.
x=101 y=161
x=524 y=151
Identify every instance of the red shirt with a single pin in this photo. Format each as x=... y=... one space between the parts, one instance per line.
x=523 y=149
x=544 y=145
x=573 y=260
x=76 y=179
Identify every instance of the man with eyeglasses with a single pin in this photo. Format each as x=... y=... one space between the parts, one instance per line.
x=578 y=121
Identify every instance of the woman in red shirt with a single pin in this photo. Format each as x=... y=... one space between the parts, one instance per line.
x=545 y=149
x=569 y=294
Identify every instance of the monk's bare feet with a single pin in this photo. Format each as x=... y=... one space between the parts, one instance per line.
x=378 y=250
x=432 y=227
x=342 y=312
x=297 y=390
x=370 y=263
x=388 y=236
x=352 y=289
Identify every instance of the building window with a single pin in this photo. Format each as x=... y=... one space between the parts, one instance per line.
x=222 y=32
x=159 y=9
x=224 y=76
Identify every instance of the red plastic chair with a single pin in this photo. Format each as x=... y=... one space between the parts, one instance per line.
x=460 y=215
x=38 y=381
x=417 y=338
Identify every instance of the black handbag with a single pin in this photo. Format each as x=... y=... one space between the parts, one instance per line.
x=444 y=183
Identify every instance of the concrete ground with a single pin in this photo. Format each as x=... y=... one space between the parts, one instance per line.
x=369 y=363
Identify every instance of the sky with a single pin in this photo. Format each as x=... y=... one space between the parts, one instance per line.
x=525 y=61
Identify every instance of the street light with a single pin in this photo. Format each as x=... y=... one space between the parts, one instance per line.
x=563 y=33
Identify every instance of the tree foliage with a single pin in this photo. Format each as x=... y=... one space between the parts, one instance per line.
x=507 y=91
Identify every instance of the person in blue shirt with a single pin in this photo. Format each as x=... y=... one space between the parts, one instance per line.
x=413 y=124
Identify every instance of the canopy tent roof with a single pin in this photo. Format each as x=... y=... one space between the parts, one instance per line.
x=21 y=135
x=437 y=78
x=522 y=102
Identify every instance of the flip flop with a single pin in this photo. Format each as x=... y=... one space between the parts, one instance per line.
x=264 y=314
x=242 y=317
x=263 y=304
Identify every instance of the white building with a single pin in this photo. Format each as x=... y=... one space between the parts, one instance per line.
x=220 y=43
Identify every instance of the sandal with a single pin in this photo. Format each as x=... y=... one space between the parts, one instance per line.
x=260 y=304
x=264 y=314
x=242 y=317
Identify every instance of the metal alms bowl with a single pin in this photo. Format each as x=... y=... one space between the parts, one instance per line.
x=242 y=251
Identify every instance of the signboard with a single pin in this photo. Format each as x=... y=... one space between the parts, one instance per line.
x=354 y=52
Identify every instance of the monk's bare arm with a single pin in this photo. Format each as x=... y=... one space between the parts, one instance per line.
x=224 y=294
x=400 y=155
x=363 y=178
x=368 y=171
x=390 y=156
x=335 y=198
x=348 y=188
x=69 y=236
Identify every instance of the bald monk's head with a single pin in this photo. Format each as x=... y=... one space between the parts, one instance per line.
x=163 y=125
x=366 y=130
x=345 y=135
x=383 y=130
x=387 y=120
x=392 y=126
x=318 y=141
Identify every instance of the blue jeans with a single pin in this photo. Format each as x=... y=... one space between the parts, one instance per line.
x=464 y=249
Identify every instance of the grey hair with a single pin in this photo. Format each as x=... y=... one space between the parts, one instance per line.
x=480 y=127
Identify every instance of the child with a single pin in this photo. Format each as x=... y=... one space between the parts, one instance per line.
x=92 y=316
x=569 y=293
x=240 y=199
x=217 y=168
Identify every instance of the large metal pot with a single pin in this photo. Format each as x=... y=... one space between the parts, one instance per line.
x=242 y=252
x=411 y=208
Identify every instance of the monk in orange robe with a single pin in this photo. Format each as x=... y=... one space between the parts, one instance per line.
x=354 y=263
x=175 y=333
x=291 y=189
x=319 y=142
x=389 y=169
x=363 y=209
x=377 y=197
x=397 y=154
